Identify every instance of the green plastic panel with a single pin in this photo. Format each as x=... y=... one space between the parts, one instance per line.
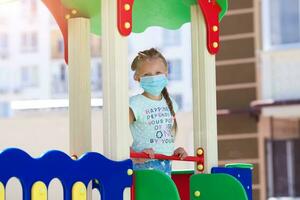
x=224 y=6
x=239 y=165
x=152 y=184
x=183 y=172
x=216 y=187
x=171 y=14
x=189 y=2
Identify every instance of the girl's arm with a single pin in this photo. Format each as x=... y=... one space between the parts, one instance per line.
x=131 y=116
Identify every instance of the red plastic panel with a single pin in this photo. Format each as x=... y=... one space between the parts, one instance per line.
x=60 y=14
x=182 y=182
x=125 y=16
x=211 y=10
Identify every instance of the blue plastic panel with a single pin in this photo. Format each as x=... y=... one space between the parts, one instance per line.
x=112 y=175
x=244 y=175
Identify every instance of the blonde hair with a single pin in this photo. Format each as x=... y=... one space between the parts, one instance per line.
x=149 y=55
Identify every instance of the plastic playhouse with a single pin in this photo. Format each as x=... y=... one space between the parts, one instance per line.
x=114 y=20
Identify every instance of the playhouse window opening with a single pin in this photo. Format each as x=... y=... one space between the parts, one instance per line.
x=55 y=190
x=13 y=189
x=96 y=189
x=175 y=45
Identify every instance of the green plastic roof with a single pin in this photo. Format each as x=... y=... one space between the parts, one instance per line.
x=90 y=9
x=166 y=13
x=170 y=14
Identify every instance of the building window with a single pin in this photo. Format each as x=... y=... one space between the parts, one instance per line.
x=3 y=40
x=96 y=77
x=59 y=83
x=171 y=38
x=60 y=46
x=283 y=167
x=3 y=45
x=62 y=73
x=281 y=23
x=297 y=167
x=57 y=45
x=29 y=41
x=95 y=42
x=4 y=80
x=63 y=80
x=29 y=7
x=175 y=70
x=29 y=76
x=179 y=100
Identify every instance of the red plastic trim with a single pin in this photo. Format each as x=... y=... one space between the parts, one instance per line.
x=211 y=10
x=164 y=157
x=125 y=16
x=59 y=12
x=132 y=191
x=199 y=159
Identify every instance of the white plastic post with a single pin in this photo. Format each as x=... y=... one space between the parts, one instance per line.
x=115 y=85
x=204 y=91
x=116 y=134
x=79 y=86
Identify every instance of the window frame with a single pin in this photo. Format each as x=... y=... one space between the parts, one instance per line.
x=266 y=30
x=29 y=41
x=32 y=76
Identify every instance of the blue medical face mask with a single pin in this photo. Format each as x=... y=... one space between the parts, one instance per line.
x=154 y=84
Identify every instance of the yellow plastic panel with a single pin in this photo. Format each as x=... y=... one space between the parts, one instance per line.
x=79 y=191
x=39 y=191
x=2 y=191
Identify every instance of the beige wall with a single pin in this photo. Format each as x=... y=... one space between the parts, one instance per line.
x=39 y=131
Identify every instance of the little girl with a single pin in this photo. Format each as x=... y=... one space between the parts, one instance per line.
x=152 y=114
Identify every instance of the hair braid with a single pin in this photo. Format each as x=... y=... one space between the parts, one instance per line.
x=166 y=95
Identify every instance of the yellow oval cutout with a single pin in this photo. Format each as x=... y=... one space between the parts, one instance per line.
x=79 y=191
x=2 y=191
x=39 y=191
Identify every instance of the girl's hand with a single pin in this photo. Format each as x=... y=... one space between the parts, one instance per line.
x=180 y=152
x=149 y=151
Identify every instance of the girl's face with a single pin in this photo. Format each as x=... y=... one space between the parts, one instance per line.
x=150 y=68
